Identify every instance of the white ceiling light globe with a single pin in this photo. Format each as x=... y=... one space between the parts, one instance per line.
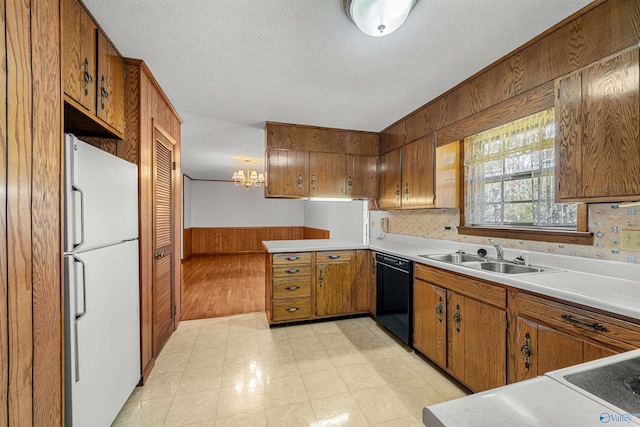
x=379 y=17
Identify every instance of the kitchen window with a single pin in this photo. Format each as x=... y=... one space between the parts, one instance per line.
x=510 y=180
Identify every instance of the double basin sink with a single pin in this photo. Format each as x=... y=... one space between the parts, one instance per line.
x=482 y=263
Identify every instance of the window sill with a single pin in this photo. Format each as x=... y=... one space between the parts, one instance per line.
x=569 y=237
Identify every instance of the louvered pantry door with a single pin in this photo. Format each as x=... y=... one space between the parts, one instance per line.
x=164 y=262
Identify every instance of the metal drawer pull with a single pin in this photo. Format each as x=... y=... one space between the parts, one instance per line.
x=439 y=310
x=525 y=350
x=334 y=256
x=594 y=325
x=292 y=288
x=292 y=258
x=292 y=271
x=292 y=309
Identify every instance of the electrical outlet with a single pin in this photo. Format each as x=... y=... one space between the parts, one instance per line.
x=630 y=240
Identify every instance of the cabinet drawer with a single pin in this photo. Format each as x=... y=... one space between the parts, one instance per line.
x=290 y=309
x=325 y=257
x=292 y=258
x=291 y=288
x=599 y=327
x=291 y=271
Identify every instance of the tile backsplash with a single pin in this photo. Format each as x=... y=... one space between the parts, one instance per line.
x=606 y=220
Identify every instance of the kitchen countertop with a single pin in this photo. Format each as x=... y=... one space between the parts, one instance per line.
x=607 y=285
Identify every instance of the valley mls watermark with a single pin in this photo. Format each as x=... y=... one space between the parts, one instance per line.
x=607 y=417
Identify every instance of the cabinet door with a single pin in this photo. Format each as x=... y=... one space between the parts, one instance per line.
x=327 y=174
x=542 y=349
x=417 y=173
x=334 y=287
x=389 y=180
x=448 y=176
x=79 y=54
x=364 y=285
x=430 y=321
x=362 y=177
x=287 y=173
x=477 y=348
x=110 y=100
x=598 y=130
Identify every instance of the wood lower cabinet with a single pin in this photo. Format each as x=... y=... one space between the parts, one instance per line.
x=334 y=283
x=550 y=335
x=365 y=282
x=289 y=296
x=460 y=324
x=430 y=321
x=598 y=130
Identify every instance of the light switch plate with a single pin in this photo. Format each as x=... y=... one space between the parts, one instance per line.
x=630 y=240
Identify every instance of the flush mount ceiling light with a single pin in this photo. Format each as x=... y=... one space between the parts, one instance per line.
x=378 y=17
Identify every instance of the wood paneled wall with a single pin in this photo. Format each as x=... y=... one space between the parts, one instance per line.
x=326 y=140
x=605 y=28
x=233 y=240
x=186 y=243
x=31 y=324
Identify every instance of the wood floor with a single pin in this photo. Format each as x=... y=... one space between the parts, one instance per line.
x=222 y=285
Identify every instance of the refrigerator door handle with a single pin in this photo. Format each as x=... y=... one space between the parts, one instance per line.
x=79 y=316
x=82 y=239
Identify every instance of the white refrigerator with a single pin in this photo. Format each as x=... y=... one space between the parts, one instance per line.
x=102 y=319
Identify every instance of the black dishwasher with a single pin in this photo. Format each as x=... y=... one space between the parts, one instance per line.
x=394 y=300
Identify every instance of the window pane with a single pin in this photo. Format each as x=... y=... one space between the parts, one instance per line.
x=493 y=192
x=491 y=214
x=517 y=164
x=493 y=168
x=520 y=213
x=518 y=190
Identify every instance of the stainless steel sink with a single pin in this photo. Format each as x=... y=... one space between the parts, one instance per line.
x=508 y=268
x=455 y=258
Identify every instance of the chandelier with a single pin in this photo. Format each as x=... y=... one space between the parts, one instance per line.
x=247 y=178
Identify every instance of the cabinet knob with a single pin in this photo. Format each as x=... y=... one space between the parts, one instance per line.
x=104 y=93
x=292 y=288
x=158 y=255
x=292 y=271
x=457 y=318
x=334 y=256
x=439 y=310
x=292 y=309
x=525 y=350
x=292 y=258
x=88 y=78
x=313 y=182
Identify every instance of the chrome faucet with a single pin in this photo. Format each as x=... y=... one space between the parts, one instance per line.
x=498 y=249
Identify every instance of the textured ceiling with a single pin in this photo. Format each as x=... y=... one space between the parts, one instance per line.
x=230 y=65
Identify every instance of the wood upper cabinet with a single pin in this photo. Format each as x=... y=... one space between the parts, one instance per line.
x=79 y=54
x=334 y=281
x=448 y=175
x=365 y=282
x=430 y=321
x=287 y=173
x=417 y=184
x=110 y=84
x=362 y=177
x=389 y=180
x=327 y=175
x=598 y=131
x=92 y=75
x=406 y=178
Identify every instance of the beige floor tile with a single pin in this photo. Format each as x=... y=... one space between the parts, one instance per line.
x=299 y=331
x=241 y=353
x=447 y=388
x=220 y=329
x=378 y=353
x=358 y=377
x=208 y=341
x=306 y=344
x=270 y=349
x=284 y=391
x=416 y=394
x=380 y=404
x=171 y=362
x=240 y=373
x=279 y=367
x=316 y=361
x=345 y=356
x=324 y=383
x=394 y=370
x=145 y=413
x=193 y=408
x=161 y=384
x=241 y=399
x=325 y=328
x=207 y=358
x=186 y=333
x=340 y=410
x=255 y=419
x=334 y=340
x=200 y=379
x=421 y=367
x=242 y=337
x=401 y=422
x=275 y=334
x=179 y=344
x=294 y=415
